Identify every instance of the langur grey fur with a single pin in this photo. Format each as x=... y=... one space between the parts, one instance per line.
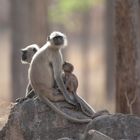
x=27 y=54
x=71 y=83
x=46 y=68
x=26 y=57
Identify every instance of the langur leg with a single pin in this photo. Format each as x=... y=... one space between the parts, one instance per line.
x=55 y=96
x=28 y=89
x=86 y=108
x=29 y=94
x=52 y=94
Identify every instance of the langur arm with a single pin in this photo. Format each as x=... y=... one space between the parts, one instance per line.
x=31 y=94
x=28 y=89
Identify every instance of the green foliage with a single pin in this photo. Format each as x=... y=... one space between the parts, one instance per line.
x=63 y=9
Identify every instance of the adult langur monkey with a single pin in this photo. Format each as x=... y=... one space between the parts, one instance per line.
x=27 y=54
x=45 y=69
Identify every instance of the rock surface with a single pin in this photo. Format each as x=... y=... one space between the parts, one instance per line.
x=95 y=135
x=34 y=120
x=118 y=126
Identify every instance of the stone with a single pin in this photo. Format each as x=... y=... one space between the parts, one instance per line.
x=34 y=120
x=95 y=135
x=118 y=126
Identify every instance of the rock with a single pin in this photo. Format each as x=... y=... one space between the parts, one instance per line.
x=118 y=126
x=95 y=135
x=66 y=138
x=34 y=120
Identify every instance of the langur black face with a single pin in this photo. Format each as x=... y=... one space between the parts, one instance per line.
x=58 y=40
x=24 y=55
x=68 y=67
x=27 y=54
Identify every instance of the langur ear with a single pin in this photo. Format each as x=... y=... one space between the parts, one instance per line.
x=22 y=50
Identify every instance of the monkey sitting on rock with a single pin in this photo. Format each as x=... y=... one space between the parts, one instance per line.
x=27 y=54
x=71 y=83
x=46 y=69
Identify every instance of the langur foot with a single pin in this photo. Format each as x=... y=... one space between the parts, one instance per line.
x=31 y=94
x=20 y=100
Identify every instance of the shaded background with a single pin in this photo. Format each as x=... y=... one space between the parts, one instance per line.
x=89 y=27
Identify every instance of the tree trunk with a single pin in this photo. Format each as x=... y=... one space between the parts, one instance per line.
x=128 y=57
x=29 y=25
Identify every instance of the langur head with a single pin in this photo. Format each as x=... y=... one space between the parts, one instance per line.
x=57 y=40
x=67 y=67
x=28 y=52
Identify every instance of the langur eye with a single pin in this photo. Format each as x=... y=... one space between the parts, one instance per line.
x=34 y=50
x=58 y=40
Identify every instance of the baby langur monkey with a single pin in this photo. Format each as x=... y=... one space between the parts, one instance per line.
x=27 y=54
x=71 y=83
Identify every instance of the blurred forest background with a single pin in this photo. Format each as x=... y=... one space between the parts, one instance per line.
x=90 y=27
x=23 y=22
